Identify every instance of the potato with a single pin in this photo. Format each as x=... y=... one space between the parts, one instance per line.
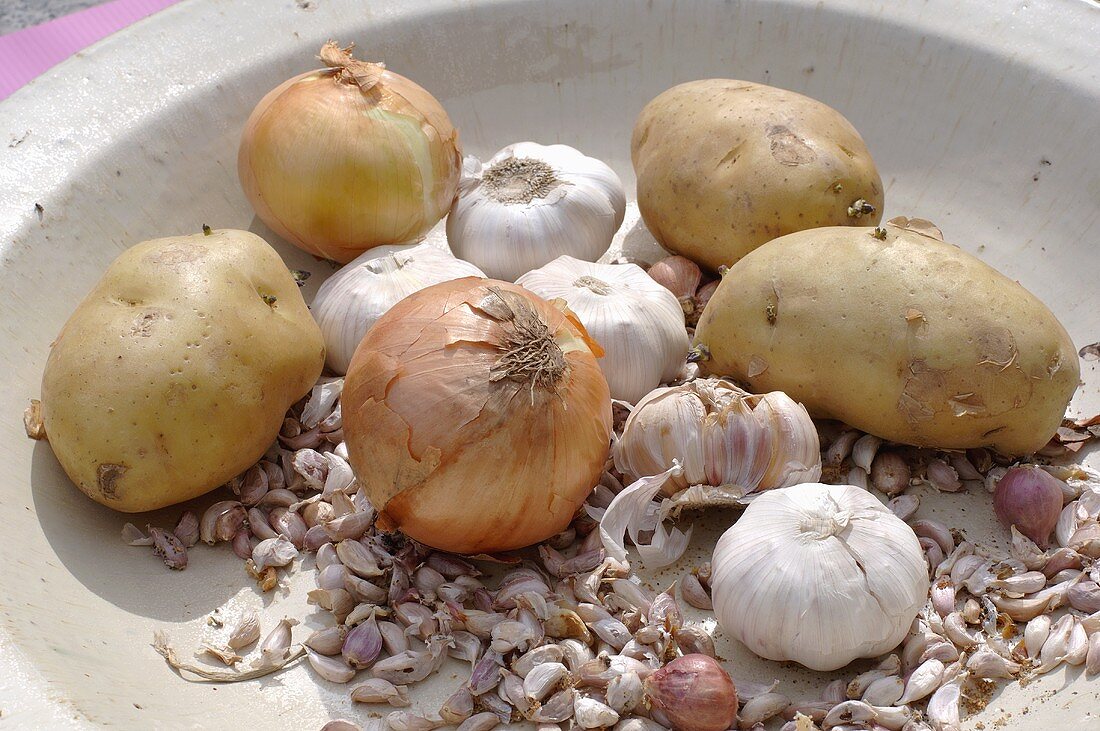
x=175 y=373
x=724 y=166
x=905 y=337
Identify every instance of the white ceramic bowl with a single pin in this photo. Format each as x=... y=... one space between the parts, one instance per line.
x=983 y=116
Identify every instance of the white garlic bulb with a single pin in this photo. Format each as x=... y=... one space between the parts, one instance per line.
x=722 y=436
x=638 y=323
x=531 y=203
x=350 y=301
x=818 y=574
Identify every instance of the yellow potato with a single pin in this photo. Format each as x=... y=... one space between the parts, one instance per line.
x=902 y=336
x=724 y=166
x=175 y=373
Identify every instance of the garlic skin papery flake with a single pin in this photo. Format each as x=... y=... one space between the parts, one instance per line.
x=722 y=436
x=530 y=204
x=352 y=299
x=818 y=574
x=638 y=322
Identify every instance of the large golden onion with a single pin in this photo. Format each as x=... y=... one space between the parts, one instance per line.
x=341 y=160
x=476 y=416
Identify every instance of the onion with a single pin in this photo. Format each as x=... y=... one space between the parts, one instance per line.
x=695 y=693
x=476 y=416
x=341 y=160
x=1029 y=498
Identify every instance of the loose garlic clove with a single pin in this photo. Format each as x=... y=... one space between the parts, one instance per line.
x=352 y=299
x=636 y=321
x=530 y=204
x=680 y=276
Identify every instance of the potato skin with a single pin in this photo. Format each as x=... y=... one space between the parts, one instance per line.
x=174 y=374
x=724 y=166
x=908 y=338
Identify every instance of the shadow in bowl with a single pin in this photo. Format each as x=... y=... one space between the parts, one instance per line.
x=85 y=536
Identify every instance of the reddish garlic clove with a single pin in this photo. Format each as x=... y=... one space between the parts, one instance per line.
x=695 y=693
x=1031 y=499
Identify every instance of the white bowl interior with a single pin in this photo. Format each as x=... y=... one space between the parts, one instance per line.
x=981 y=117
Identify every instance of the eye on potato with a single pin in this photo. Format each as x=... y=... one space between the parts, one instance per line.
x=896 y=333
x=724 y=166
x=176 y=371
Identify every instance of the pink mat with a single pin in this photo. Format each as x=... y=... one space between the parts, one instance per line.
x=29 y=52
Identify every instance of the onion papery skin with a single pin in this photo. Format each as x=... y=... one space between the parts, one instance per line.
x=451 y=451
x=336 y=170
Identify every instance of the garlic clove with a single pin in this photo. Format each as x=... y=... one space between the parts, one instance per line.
x=680 y=276
x=376 y=690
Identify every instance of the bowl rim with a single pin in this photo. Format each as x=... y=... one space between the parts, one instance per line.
x=44 y=143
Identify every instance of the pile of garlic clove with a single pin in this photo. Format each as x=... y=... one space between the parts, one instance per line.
x=572 y=636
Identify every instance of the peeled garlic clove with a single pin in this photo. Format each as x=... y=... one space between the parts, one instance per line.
x=244 y=631
x=924 y=680
x=937 y=531
x=543 y=680
x=590 y=713
x=988 y=664
x=332 y=669
x=864 y=450
x=624 y=692
x=904 y=506
x=954 y=629
x=537 y=656
x=761 y=708
x=376 y=690
x=850 y=712
x=1054 y=648
x=276 y=646
x=943 y=596
x=884 y=691
x=277 y=551
x=943 y=708
x=1035 y=634
x=530 y=204
x=328 y=641
x=1077 y=645
x=942 y=476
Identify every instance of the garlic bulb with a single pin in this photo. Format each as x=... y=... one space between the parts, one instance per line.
x=722 y=435
x=638 y=323
x=532 y=203
x=818 y=574
x=350 y=301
